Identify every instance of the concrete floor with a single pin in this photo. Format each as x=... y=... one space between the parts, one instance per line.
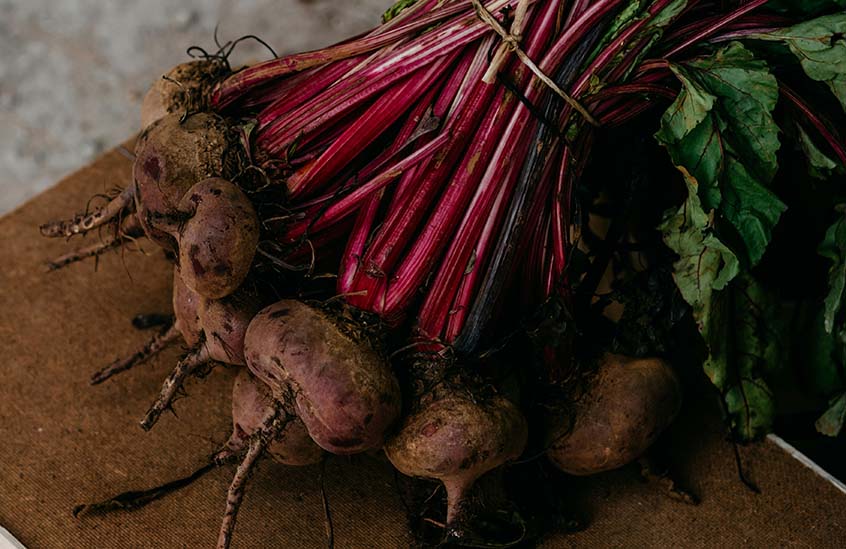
x=72 y=72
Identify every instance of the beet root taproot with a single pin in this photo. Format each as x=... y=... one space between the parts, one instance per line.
x=262 y=424
x=346 y=394
x=626 y=407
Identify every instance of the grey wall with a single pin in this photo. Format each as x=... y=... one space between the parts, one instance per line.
x=72 y=72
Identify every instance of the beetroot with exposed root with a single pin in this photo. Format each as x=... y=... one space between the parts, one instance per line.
x=261 y=423
x=215 y=330
x=628 y=404
x=345 y=392
x=170 y=157
x=252 y=405
x=456 y=433
x=183 y=89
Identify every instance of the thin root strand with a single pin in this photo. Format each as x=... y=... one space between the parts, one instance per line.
x=173 y=383
x=128 y=233
x=235 y=495
x=154 y=346
x=82 y=223
x=135 y=499
x=152 y=320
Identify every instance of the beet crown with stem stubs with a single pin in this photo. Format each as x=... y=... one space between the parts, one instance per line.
x=170 y=157
x=182 y=90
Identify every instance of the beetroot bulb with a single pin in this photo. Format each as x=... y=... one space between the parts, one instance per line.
x=252 y=404
x=181 y=94
x=457 y=430
x=214 y=232
x=183 y=89
x=170 y=156
x=214 y=329
x=625 y=407
x=217 y=238
x=344 y=389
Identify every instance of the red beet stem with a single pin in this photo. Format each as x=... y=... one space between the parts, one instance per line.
x=364 y=130
x=241 y=82
x=835 y=142
x=399 y=226
x=717 y=25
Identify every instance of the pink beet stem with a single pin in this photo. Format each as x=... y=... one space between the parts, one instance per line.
x=492 y=150
x=372 y=80
x=357 y=240
x=364 y=130
x=401 y=222
x=237 y=84
x=715 y=26
x=481 y=252
x=351 y=201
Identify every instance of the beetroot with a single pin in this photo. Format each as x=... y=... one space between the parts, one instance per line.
x=187 y=305
x=217 y=328
x=170 y=157
x=628 y=404
x=218 y=239
x=345 y=392
x=261 y=423
x=183 y=89
x=252 y=404
x=457 y=432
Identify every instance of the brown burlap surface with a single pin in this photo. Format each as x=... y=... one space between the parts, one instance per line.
x=65 y=442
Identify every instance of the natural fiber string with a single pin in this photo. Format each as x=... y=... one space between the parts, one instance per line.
x=508 y=44
x=511 y=42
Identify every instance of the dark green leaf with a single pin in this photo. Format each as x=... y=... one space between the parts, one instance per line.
x=394 y=10
x=805 y=7
x=668 y=14
x=654 y=25
x=721 y=129
x=831 y=422
x=820 y=46
x=702 y=155
x=820 y=166
x=743 y=351
x=705 y=264
x=752 y=208
x=822 y=353
x=747 y=94
x=691 y=107
x=731 y=315
x=751 y=408
x=833 y=247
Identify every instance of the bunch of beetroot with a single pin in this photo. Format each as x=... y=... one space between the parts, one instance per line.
x=430 y=168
